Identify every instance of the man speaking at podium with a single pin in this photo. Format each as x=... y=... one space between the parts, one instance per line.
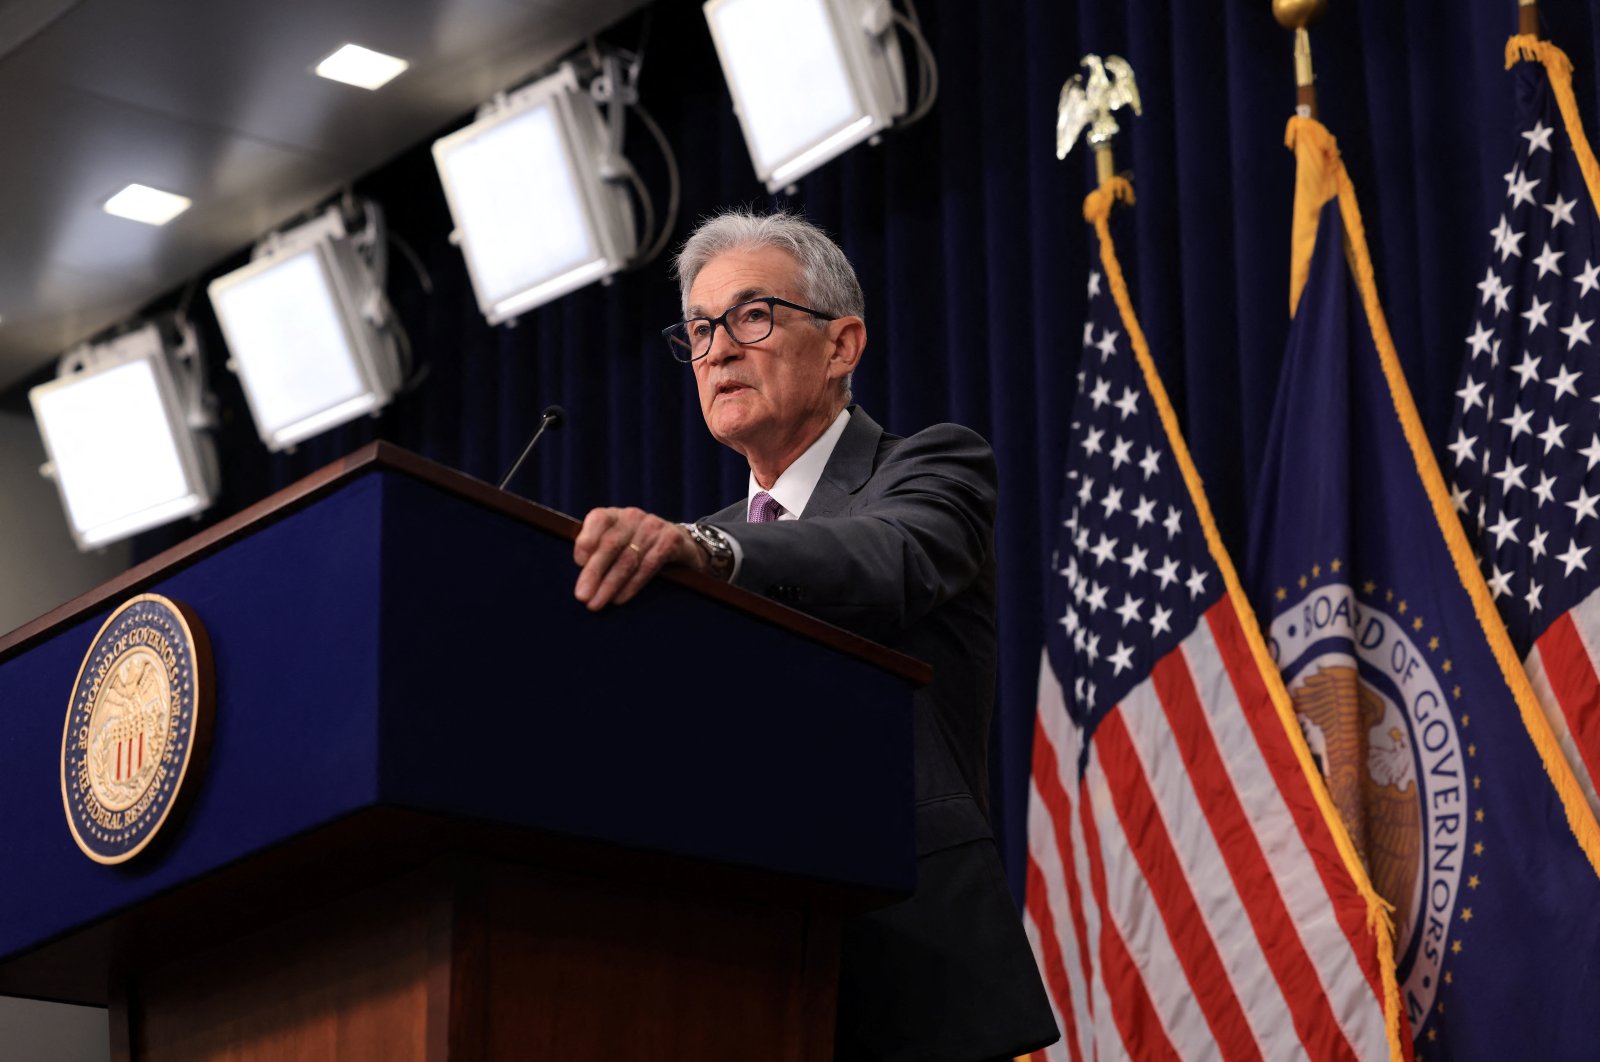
x=892 y=538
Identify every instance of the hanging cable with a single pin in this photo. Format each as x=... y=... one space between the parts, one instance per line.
x=424 y=278
x=927 y=66
x=669 y=219
x=616 y=87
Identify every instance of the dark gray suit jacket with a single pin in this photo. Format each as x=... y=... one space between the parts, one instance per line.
x=897 y=543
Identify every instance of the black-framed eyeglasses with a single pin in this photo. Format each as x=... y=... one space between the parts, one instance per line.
x=748 y=322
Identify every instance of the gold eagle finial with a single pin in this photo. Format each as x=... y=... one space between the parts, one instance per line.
x=1110 y=87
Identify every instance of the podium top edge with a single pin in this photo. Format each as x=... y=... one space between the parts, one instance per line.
x=383 y=456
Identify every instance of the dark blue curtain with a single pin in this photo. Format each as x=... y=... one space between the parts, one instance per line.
x=968 y=236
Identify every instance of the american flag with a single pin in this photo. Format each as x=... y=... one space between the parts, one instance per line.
x=1186 y=895
x=1525 y=441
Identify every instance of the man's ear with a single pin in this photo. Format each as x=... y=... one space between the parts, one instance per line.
x=849 y=336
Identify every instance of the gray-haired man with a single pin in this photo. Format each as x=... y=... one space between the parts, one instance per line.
x=889 y=537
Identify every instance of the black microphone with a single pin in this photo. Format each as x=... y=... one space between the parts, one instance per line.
x=552 y=417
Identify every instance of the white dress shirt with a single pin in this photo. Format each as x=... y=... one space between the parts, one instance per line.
x=793 y=488
x=795 y=485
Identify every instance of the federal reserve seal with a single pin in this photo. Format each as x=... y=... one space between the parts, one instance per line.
x=1366 y=683
x=137 y=725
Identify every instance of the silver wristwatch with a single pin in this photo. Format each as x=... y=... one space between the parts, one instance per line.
x=719 y=553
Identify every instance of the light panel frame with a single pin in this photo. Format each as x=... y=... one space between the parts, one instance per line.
x=69 y=464
x=364 y=348
x=871 y=63
x=604 y=214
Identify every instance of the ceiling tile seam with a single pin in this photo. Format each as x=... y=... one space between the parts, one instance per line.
x=210 y=127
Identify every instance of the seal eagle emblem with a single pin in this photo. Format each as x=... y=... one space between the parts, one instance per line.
x=137 y=725
x=1369 y=698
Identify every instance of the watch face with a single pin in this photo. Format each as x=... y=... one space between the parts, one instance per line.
x=719 y=554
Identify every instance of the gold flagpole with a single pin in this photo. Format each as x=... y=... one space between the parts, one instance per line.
x=1104 y=170
x=1297 y=15
x=1528 y=17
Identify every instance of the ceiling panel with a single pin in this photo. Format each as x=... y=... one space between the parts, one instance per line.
x=20 y=20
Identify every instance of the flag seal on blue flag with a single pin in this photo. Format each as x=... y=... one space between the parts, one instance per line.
x=1369 y=685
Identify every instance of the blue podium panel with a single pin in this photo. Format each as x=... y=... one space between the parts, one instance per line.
x=675 y=722
x=400 y=644
x=294 y=629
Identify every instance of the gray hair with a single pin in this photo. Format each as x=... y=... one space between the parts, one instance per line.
x=827 y=280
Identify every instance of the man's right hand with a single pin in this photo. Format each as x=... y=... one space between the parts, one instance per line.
x=620 y=550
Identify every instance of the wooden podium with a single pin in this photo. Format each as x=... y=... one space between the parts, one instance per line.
x=448 y=813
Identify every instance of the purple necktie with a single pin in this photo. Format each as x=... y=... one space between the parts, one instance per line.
x=764 y=508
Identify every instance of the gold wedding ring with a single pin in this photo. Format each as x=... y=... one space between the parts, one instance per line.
x=635 y=547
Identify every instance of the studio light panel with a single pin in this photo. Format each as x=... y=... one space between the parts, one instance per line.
x=534 y=217
x=121 y=454
x=807 y=78
x=306 y=355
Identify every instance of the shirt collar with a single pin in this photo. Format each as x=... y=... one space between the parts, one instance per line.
x=794 y=487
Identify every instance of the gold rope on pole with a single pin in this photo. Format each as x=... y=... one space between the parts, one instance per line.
x=1297 y=15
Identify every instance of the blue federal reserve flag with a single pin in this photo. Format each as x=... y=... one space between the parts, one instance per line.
x=1404 y=680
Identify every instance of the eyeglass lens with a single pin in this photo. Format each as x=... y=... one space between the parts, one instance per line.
x=748 y=322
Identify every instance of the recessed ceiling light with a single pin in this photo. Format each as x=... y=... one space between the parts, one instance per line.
x=152 y=206
x=362 y=67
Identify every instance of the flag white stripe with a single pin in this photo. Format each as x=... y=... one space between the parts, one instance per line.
x=1042 y=847
x=1066 y=739
x=1107 y=1036
x=1056 y=1052
x=1143 y=930
x=1206 y=875
x=1350 y=996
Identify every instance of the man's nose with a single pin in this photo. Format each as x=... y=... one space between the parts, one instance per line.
x=722 y=346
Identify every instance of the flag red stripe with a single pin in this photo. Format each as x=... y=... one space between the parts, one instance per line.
x=1280 y=942
x=1055 y=973
x=1142 y=1033
x=1295 y=788
x=1047 y=780
x=141 y=750
x=1572 y=679
x=1152 y=848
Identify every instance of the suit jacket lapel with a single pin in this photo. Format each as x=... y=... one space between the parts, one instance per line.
x=848 y=467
